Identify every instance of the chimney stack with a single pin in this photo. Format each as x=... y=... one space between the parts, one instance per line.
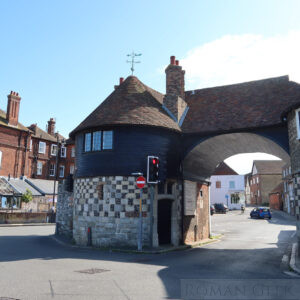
x=175 y=93
x=51 y=126
x=13 y=106
x=121 y=80
x=33 y=127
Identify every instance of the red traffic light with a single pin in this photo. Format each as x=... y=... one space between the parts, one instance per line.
x=155 y=161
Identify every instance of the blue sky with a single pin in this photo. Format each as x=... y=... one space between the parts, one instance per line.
x=64 y=57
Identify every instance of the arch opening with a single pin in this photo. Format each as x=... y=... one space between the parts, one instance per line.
x=201 y=161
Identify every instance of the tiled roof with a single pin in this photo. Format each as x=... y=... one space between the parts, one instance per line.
x=268 y=166
x=246 y=105
x=4 y=122
x=5 y=188
x=132 y=103
x=43 y=186
x=21 y=186
x=224 y=169
x=41 y=134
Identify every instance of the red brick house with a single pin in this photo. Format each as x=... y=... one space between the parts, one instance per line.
x=266 y=175
x=31 y=151
x=14 y=140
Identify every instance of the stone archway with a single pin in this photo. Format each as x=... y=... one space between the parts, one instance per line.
x=201 y=161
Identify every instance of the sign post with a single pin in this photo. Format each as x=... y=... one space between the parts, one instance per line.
x=140 y=182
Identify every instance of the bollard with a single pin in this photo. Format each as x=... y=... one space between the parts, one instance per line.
x=89 y=232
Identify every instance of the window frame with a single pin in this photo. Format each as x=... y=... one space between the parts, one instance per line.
x=39 y=163
x=65 y=151
x=59 y=174
x=52 y=147
x=40 y=142
x=91 y=133
x=72 y=166
x=73 y=153
x=218 y=184
x=112 y=140
x=231 y=184
x=51 y=169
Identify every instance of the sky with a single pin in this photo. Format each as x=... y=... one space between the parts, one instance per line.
x=64 y=57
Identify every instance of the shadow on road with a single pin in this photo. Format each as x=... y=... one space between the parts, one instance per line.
x=210 y=262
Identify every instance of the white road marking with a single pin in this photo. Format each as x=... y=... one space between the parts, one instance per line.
x=293 y=234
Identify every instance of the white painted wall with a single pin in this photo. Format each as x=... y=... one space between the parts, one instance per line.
x=218 y=195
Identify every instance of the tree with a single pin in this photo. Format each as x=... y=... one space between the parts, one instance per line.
x=27 y=196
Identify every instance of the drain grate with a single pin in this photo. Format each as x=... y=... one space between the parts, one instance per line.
x=91 y=271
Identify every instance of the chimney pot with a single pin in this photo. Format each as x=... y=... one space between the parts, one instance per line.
x=177 y=62
x=121 y=80
x=172 y=60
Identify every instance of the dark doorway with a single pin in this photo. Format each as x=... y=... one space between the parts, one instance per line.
x=164 y=221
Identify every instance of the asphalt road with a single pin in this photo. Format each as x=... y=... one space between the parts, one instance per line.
x=34 y=266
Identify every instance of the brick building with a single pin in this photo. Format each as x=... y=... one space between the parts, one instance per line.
x=276 y=197
x=31 y=151
x=266 y=175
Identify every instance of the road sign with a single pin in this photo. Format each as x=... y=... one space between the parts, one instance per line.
x=140 y=182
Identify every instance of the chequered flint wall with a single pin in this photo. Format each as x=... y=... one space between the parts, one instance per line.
x=294 y=145
x=110 y=206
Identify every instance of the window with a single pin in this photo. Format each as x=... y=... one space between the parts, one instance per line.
x=257 y=180
x=30 y=146
x=61 y=171
x=63 y=151
x=52 y=170
x=87 y=142
x=71 y=169
x=258 y=193
x=231 y=184
x=42 y=147
x=107 y=140
x=97 y=141
x=290 y=170
x=73 y=152
x=0 y=159
x=218 y=184
x=235 y=198
x=53 y=149
x=39 y=169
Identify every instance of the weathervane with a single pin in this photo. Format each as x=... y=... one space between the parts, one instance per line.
x=132 y=61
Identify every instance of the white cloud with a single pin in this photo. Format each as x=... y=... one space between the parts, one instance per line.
x=242 y=163
x=239 y=58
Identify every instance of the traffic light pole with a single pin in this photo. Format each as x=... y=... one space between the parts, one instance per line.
x=140 y=234
x=151 y=213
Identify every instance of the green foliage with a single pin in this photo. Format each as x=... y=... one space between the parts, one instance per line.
x=27 y=196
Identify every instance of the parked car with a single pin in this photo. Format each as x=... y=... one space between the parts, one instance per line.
x=212 y=210
x=221 y=208
x=261 y=213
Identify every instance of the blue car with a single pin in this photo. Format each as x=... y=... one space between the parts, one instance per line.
x=261 y=213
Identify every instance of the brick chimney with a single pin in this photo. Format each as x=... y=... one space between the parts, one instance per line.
x=174 y=98
x=51 y=126
x=33 y=127
x=13 y=106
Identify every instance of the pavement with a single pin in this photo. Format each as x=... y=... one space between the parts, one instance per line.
x=34 y=266
x=27 y=224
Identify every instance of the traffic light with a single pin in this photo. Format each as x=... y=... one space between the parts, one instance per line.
x=152 y=169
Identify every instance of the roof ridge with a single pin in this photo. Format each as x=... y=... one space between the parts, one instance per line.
x=278 y=78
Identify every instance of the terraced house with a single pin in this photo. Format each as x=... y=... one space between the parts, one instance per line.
x=31 y=151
